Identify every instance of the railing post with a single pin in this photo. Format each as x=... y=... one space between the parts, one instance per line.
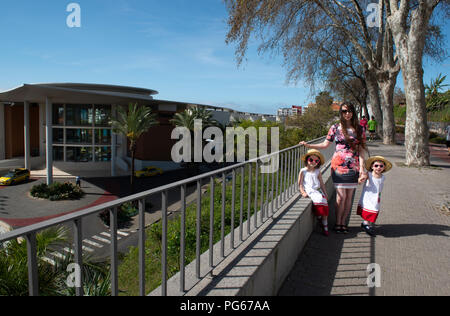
x=211 y=221
x=256 y=194
x=222 y=229
x=233 y=207
x=33 y=277
x=262 y=198
x=249 y=198
x=198 y=222
x=241 y=215
x=164 y=244
x=142 y=247
x=78 y=242
x=114 y=268
x=183 y=238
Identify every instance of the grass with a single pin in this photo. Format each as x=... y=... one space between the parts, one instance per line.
x=129 y=268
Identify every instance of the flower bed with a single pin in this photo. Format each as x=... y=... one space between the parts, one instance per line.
x=57 y=191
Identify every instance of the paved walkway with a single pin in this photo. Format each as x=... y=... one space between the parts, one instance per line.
x=412 y=247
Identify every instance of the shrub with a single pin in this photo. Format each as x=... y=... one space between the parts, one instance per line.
x=124 y=215
x=57 y=191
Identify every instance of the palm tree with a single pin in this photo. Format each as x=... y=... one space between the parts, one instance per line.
x=434 y=98
x=133 y=123
x=52 y=278
x=187 y=119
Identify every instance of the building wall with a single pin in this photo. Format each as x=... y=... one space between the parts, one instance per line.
x=14 y=130
x=156 y=144
x=2 y=131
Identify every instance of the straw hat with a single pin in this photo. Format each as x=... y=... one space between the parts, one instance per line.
x=388 y=165
x=314 y=152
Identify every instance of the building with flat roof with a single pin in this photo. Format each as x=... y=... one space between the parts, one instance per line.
x=67 y=125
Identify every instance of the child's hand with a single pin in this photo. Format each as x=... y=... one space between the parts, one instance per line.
x=304 y=194
x=362 y=178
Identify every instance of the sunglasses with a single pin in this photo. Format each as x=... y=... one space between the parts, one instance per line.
x=314 y=160
x=346 y=111
x=378 y=166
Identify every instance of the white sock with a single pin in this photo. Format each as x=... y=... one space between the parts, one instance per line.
x=325 y=224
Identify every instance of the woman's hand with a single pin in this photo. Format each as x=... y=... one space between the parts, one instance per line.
x=303 y=143
x=363 y=177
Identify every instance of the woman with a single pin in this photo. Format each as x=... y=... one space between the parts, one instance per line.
x=347 y=165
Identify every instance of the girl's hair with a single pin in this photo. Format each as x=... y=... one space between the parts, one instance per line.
x=318 y=165
x=359 y=143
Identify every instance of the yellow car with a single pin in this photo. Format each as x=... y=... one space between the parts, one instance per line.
x=148 y=172
x=15 y=176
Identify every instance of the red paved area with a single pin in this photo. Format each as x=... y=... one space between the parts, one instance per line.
x=22 y=222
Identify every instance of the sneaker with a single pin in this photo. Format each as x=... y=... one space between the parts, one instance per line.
x=369 y=230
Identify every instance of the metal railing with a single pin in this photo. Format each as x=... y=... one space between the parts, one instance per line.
x=271 y=191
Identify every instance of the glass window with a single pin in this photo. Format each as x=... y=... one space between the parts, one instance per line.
x=58 y=114
x=79 y=136
x=102 y=136
x=79 y=115
x=58 y=153
x=102 y=115
x=102 y=153
x=58 y=136
x=79 y=154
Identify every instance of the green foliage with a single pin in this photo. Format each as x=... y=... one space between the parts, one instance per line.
x=128 y=269
x=57 y=191
x=400 y=114
x=52 y=279
x=187 y=118
x=126 y=212
x=133 y=123
x=436 y=139
x=316 y=120
x=437 y=101
x=440 y=115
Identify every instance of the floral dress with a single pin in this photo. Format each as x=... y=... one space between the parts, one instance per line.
x=345 y=162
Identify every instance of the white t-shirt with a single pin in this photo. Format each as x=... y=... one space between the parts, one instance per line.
x=371 y=194
x=448 y=132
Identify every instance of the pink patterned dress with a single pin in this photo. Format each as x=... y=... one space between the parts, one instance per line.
x=345 y=161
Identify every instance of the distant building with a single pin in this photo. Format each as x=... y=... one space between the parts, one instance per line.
x=283 y=113
x=335 y=106
x=68 y=125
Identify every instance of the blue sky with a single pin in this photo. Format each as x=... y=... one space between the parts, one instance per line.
x=176 y=47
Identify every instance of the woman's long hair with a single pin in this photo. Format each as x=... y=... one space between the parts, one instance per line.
x=359 y=143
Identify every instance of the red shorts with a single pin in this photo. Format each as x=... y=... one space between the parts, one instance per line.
x=321 y=209
x=367 y=215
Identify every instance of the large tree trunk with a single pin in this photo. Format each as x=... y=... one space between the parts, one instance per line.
x=416 y=127
x=374 y=98
x=410 y=51
x=387 y=96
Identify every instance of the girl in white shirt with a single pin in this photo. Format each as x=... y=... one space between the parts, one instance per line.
x=369 y=203
x=311 y=185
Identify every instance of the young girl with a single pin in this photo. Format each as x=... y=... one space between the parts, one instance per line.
x=311 y=184
x=369 y=203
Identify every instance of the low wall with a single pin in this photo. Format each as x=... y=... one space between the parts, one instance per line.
x=261 y=263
